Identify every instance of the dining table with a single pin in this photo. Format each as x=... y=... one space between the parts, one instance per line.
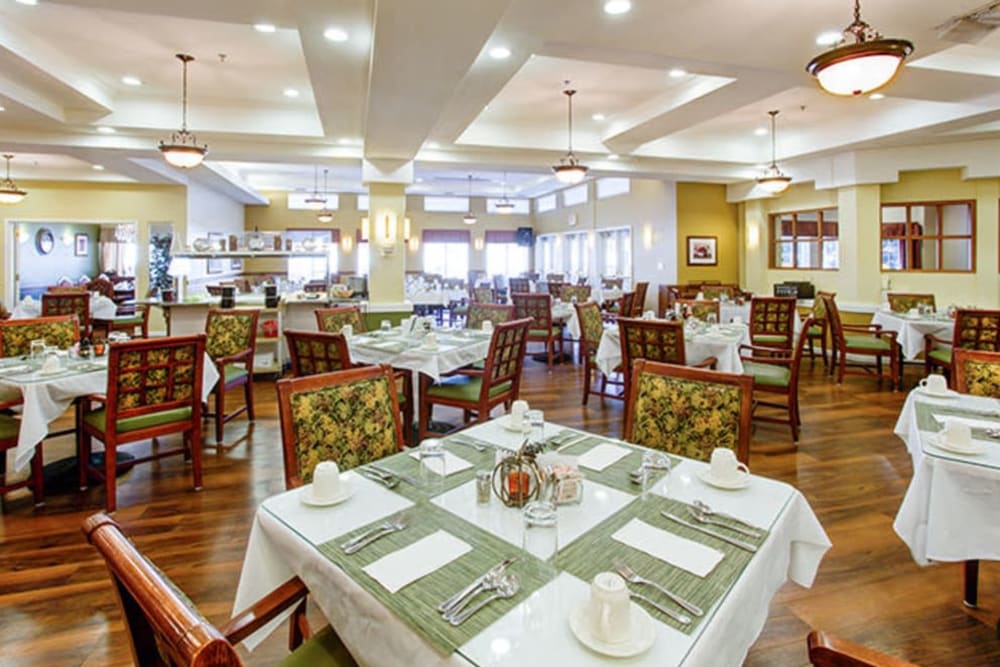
x=101 y=307
x=382 y=599
x=701 y=341
x=949 y=510
x=47 y=395
x=911 y=328
x=454 y=348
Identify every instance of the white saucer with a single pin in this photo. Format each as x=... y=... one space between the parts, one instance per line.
x=510 y=426
x=941 y=443
x=346 y=491
x=644 y=634
x=742 y=482
x=949 y=393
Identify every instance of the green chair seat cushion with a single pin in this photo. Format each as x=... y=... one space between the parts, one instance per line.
x=770 y=338
x=866 y=343
x=323 y=649
x=816 y=330
x=97 y=419
x=464 y=388
x=131 y=320
x=542 y=333
x=234 y=372
x=768 y=374
x=10 y=395
x=8 y=427
x=943 y=355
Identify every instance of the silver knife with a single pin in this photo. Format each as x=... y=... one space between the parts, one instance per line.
x=458 y=597
x=406 y=478
x=708 y=531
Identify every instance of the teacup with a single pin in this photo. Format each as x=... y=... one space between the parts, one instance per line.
x=957 y=434
x=913 y=312
x=724 y=467
x=737 y=319
x=431 y=341
x=609 y=611
x=934 y=384
x=487 y=326
x=347 y=330
x=326 y=481
x=517 y=411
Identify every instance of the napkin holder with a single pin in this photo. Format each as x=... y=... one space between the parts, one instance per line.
x=517 y=478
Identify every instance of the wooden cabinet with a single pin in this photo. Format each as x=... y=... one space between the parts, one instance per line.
x=269 y=352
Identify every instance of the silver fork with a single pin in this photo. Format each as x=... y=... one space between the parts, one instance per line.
x=631 y=575
x=468 y=443
x=457 y=601
x=699 y=515
x=387 y=482
x=397 y=523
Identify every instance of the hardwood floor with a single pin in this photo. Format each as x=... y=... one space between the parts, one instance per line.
x=57 y=605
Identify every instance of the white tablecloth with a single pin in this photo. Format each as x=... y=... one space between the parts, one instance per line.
x=285 y=533
x=438 y=297
x=725 y=347
x=910 y=331
x=452 y=353
x=951 y=508
x=46 y=399
x=101 y=308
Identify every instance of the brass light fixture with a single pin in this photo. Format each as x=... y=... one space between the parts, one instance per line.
x=10 y=193
x=324 y=216
x=505 y=206
x=183 y=150
x=868 y=64
x=470 y=218
x=773 y=180
x=569 y=169
x=315 y=202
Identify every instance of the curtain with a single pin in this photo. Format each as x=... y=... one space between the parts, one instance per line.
x=116 y=256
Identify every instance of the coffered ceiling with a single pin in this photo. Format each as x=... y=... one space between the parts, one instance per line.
x=673 y=88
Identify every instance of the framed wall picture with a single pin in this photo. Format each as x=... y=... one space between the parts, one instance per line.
x=216 y=264
x=82 y=246
x=702 y=251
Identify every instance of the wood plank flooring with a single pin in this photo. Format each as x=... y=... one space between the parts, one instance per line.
x=57 y=606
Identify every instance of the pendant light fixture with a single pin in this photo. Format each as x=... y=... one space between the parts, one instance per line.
x=868 y=64
x=569 y=169
x=10 y=193
x=325 y=216
x=773 y=180
x=315 y=201
x=470 y=217
x=504 y=206
x=183 y=150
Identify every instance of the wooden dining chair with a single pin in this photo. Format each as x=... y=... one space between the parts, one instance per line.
x=538 y=308
x=591 y=330
x=639 y=300
x=900 y=302
x=688 y=411
x=488 y=312
x=519 y=285
x=314 y=352
x=973 y=330
x=772 y=322
x=349 y=416
x=620 y=307
x=332 y=320
x=483 y=295
x=826 y=650
x=868 y=340
x=717 y=291
x=164 y=627
x=580 y=292
x=655 y=340
x=154 y=389
x=476 y=394
x=231 y=339
x=701 y=309
x=135 y=325
x=63 y=331
x=69 y=304
x=820 y=329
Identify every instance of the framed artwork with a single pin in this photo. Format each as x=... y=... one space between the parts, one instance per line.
x=702 y=251
x=82 y=245
x=215 y=264
x=45 y=241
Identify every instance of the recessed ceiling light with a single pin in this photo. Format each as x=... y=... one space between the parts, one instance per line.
x=31 y=3
x=829 y=38
x=598 y=116
x=3 y=108
x=420 y=180
x=97 y=167
x=129 y=80
x=615 y=7
x=433 y=145
x=677 y=72
x=499 y=53
x=264 y=27
x=613 y=156
x=291 y=92
x=104 y=129
x=760 y=131
x=876 y=96
x=335 y=34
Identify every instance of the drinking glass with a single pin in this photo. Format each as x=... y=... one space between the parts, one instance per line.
x=38 y=348
x=712 y=318
x=432 y=466
x=386 y=326
x=652 y=463
x=540 y=536
x=535 y=426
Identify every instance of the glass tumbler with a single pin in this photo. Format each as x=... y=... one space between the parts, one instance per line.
x=534 y=426
x=38 y=349
x=432 y=466
x=540 y=536
x=652 y=463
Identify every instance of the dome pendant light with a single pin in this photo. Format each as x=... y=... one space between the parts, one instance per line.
x=868 y=64
x=10 y=193
x=470 y=217
x=569 y=169
x=504 y=206
x=315 y=202
x=183 y=150
x=773 y=181
x=325 y=216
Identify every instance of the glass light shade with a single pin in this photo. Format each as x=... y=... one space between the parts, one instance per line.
x=10 y=194
x=469 y=219
x=315 y=202
x=325 y=216
x=859 y=69
x=184 y=156
x=774 y=181
x=504 y=207
x=570 y=173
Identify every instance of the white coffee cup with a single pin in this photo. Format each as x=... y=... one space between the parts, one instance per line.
x=487 y=326
x=934 y=384
x=517 y=411
x=737 y=319
x=347 y=331
x=610 y=609
x=431 y=341
x=913 y=312
x=724 y=467
x=326 y=481
x=957 y=434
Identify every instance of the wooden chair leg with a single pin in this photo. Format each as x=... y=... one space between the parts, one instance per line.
x=110 y=476
x=248 y=392
x=83 y=458
x=220 y=410
x=971 y=582
x=424 y=420
x=37 y=475
x=194 y=443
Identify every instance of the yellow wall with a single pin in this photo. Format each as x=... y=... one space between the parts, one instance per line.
x=702 y=210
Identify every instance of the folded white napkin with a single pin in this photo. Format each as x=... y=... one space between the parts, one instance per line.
x=972 y=423
x=452 y=463
x=601 y=456
x=678 y=551
x=424 y=556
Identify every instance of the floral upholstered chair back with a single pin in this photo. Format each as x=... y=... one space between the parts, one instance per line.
x=718 y=291
x=772 y=321
x=488 y=312
x=537 y=307
x=656 y=340
x=315 y=352
x=580 y=292
x=230 y=332
x=68 y=304
x=591 y=325
x=700 y=310
x=519 y=285
x=689 y=411
x=483 y=295
x=977 y=373
x=351 y=417
x=332 y=320
x=977 y=330
x=153 y=375
x=902 y=303
x=63 y=331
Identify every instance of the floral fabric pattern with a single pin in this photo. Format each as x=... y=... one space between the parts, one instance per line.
x=536 y=306
x=772 y=317
x=482 y=312
x=716 y=291
x=483 y=295
x=154 y=377
x=656 y=341
x=591 y=324
x=982 y=378
x=686 y=417
x=332 y=320
x=580 y=292
x=351 y=424
x=507 y=349
x=319 y=354
x=978 y=330
x=902 y=303
x=700 y=310
x=16 y=335
x=229 y=333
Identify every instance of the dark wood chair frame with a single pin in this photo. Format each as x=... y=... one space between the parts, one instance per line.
x=984 y=327
x=321 y=313
x=538 y=308
x=132 y=328
x=765 y=320
x=639 y=300
x=69 y=304
x=244 y=356
x=824 y=331
x=648 y=335
x=826 y=650
x=838 y=329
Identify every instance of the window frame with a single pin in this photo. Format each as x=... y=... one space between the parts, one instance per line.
x=819 y=239
x=939 y=238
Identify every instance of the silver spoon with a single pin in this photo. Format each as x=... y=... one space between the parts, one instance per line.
x=507 y=588
x=701 y=517
x=708 y=511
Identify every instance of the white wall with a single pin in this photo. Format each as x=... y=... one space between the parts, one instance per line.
x=210 y=211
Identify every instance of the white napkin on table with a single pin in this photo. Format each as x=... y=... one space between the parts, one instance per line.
x=972 y=423
x=601 y=456
x=678 y=551
x=424 y=556
x=452 y=463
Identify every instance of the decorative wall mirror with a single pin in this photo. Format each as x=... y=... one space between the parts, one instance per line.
x=44 y=241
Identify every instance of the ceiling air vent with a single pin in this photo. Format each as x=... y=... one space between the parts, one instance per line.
x=972 y=27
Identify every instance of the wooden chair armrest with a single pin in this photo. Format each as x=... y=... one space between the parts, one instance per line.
x=242 y=355
x=773 y=361
x=931 y=339
x=862 y=328
x=266 y=610
x=708 y=362
x=828 y=651
x=768 y=350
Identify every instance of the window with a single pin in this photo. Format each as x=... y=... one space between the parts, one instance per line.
x=805 y=240
x=446 y=204
x=362 y=202
x=297 y=201
x=446 y=252
x=547 y=203
x=574 y=196
x=547 y=259
x=614 y=252
x=611 y=187
x=577 y=254
x=504 y=256
x=313 y=268
x=521 y=206
x=938 y=236
x=364 y=261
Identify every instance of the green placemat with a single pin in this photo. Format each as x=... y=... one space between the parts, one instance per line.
x=407 y=465
x=615 y=475
x=926 y=413
x=416 y=604
x=596 y=552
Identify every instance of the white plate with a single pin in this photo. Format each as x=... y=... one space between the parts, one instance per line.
x=643 y=634
x=510 y=426
x=949 y=393
x=939 y=442
x=346 y=491
x=742 y=482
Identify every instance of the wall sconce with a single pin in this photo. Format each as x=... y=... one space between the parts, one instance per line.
x=414 y=244
x=753 y=236
x=347 y=243
x=67 y=238
x=647 y=236
x=385 y=234
x=365 y=229
x=478 y=243
x=406 y=229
